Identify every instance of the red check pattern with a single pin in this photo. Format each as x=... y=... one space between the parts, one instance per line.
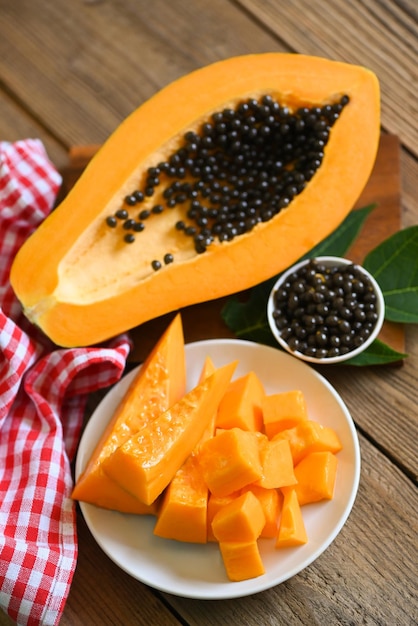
x=43 y=390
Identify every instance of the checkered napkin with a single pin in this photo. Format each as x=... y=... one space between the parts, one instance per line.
x=43 y=390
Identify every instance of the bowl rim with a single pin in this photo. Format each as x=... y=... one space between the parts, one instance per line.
x=328 y=260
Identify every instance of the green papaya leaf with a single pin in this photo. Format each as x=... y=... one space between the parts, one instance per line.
x=248 y=320
x=339 y=241
x=378 y=353
x=394 y=264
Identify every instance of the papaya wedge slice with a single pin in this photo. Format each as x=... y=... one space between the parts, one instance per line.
x=159 y=383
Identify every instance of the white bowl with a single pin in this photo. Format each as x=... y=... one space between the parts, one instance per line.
x=328 y=261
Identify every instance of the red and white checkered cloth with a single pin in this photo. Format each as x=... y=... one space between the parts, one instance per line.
x=43 y=390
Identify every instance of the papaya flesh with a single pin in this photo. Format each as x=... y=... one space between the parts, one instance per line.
x=80 y=279
x=159 y=383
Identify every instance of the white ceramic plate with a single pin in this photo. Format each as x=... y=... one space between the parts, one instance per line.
x=196 y=571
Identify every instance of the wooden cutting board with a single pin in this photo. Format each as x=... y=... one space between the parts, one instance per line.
x=203 y=321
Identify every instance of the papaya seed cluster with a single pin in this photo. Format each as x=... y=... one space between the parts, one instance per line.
x=241 y=167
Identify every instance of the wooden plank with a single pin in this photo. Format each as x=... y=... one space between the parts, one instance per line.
x=16 y=124
x=383 y=189
x=70 y=65
x=409 y=189
x=137 y=604
x=382 y=402
x=380 y=35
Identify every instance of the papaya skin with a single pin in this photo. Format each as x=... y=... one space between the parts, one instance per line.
x=84 y=302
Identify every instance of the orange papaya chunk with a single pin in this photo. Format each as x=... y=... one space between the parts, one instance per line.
x=240 y=520
x=283 y=410
x=292 y=531
x=146 y=463
x=277 y=464
x=316 y=474
x=159 y=383
x=241 y=405
x=83 y=283
x=183 y=512
x=182 y=515
x=215 y=503
x=242 y=561
x=271 y=502
x=310 y=436
x=230 y=460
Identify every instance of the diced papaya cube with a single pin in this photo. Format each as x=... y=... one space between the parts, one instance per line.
x=242 y=561
x=159 y=383
x=310 y=436
x=316 y=474
x=215 y=503
x=241 y=405
x=146 y=463
x=283 y=410
x=271 y=501
x=241 y=520
x=183 y=512
x=230 y=460
x=277 y=464
x=292 y=530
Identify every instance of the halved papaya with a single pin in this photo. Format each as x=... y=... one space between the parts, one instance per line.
x=248 y=162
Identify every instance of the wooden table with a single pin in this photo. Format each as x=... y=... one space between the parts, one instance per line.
x=69 y=73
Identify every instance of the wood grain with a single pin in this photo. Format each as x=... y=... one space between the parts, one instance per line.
x=384 y=190
x=83 y=70
x=16 y=124
x=69 y=73
x=136 y=603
